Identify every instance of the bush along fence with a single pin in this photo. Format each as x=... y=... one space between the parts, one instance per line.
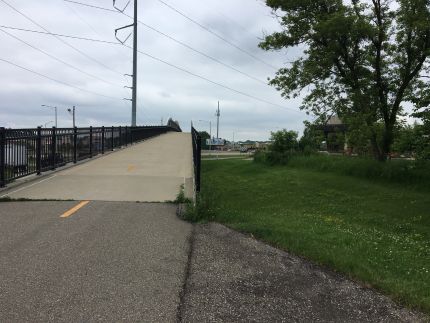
x=197 y=159
x=25 y=152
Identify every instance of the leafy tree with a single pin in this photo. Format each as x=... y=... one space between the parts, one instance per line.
x=284 y=141
x=204 y=135
x=335 y=142
x=407 y=139
x=422 y=135
x=312 y=138
x=362 y=60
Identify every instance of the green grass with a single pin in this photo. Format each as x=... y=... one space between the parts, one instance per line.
x=221 y=156
x=415 y=174
x=375 y=232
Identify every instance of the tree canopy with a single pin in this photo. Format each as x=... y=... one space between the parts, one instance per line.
x=362 y=60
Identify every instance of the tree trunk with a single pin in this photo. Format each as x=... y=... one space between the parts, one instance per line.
x=387 y=140
x=377 y=151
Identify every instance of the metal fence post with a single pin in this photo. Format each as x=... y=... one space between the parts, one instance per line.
x=131 y=135
x=2 y=157
x=75 y=145
x=53 y=148
x=199 y=161
x=39 y=151
x=126 y=136
x=103 y=140
x=112 y=143
x=120 y=136
x=91 y=142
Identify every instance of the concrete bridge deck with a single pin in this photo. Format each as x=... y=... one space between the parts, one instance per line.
x=151 y=171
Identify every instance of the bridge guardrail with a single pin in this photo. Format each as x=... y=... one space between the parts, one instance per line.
x=25 y=152
x=197 y=156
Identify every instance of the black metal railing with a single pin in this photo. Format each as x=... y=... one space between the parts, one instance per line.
x=197 y=156
x=25 y=152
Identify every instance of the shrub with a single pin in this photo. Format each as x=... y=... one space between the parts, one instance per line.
x=284 y=141
x=204 y=208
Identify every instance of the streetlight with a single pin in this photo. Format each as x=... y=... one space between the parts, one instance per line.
x=56 y=113
x=72 y=112
x=48 y=123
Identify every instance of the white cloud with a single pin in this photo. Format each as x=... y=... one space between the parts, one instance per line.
x=163 y=91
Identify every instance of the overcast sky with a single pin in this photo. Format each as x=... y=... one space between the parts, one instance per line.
x=163 y=91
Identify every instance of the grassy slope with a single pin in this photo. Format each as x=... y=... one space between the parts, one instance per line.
x=377 y=233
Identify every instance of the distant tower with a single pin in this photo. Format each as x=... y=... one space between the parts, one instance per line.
x=218 y=114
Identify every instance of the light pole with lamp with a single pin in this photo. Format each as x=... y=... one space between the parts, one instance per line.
x=48 y=123
x=72 y=111
x=56 y=113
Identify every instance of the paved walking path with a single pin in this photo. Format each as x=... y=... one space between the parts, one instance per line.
x=137 y=262
x=151 y=171
x=107 y=262
x=234 y=278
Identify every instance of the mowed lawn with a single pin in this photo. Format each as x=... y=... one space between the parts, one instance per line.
x=376 y=233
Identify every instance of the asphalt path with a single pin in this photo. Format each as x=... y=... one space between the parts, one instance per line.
x=235 y=278
x=91 y=262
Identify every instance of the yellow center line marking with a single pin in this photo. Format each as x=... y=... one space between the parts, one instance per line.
x=74 y=209
x=131 y=168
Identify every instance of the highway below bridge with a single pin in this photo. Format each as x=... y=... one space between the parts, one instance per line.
x=97 y=243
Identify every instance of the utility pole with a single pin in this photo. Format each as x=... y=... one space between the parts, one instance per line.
x=134 y=87
x=134 y=98
x=218 y=114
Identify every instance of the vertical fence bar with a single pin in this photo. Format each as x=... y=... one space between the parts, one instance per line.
x=75 y=145
x=53 y=147
x=112 y=143
x=120 y=137
x=126 y=136
x=198 y=162
x=103 y=140
x=91 y=142
x=39 y=151
x=2 y=157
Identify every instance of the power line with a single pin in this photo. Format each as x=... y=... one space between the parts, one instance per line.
x=202 y=53
x=61 y=40
x=57 y=81
x=85 y=22
x=92 y=6
x=57 y=59
x=213 y=82
x=60 y=35
x=178 y=42
x=216 y=34
x=166 y=63
x=81 y=19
